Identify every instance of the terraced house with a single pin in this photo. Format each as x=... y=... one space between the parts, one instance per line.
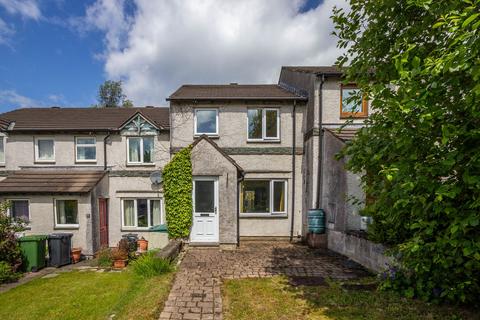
x=262 y=156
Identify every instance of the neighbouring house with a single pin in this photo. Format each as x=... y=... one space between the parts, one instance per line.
x=262 y=156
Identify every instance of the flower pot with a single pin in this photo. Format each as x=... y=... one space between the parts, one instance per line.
x=119 y=264
x=142 y=245
x=76 y=254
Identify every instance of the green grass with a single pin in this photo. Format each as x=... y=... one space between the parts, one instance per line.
x=148 y=265
x=87 y=295
x=274 y=298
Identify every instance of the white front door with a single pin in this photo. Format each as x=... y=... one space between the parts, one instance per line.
x=205 y=212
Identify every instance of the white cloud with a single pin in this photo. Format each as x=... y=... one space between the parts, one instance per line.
x=6 y=32
x=164 y=44
x=14 y=99
x=25 y=8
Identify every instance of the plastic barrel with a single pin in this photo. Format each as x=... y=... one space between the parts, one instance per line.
x=316 y=221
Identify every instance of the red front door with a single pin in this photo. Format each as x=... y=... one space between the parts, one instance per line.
x=103 y=212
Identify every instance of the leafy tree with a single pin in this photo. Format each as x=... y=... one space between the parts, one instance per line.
x=110 y=95
x=418 y=62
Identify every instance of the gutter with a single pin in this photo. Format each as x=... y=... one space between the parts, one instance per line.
x=294 y=128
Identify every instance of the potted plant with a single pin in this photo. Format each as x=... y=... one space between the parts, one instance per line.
x=119 y=257
x=76 y=254
x=142 y=244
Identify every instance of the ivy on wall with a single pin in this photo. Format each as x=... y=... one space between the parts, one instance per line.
x=177 y=185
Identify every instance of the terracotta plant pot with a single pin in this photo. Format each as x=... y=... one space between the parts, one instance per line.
x=119 y=264
x=142 y=244
x=76 y=254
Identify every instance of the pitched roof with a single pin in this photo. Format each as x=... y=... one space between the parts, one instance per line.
x=79 y=119
x=344 y=134
x=50 y=181
x=234 y=92
x=331 y=70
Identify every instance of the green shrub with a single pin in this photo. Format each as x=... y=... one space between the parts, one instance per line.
x=177 y=185
x=104 y=258
x=148 y=265
x=7 y=274
x=10 y=252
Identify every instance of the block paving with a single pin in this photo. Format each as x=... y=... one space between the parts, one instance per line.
x=196 y=291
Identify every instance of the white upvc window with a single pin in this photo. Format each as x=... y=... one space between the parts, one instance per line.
x=140 y=150
x=263 y=124
x=263 y=197
x=142 y=213
x=85 y=149
x=206 y=122
x=66 y=213
x=44 y=149
x=2 y=150
x=19 y=209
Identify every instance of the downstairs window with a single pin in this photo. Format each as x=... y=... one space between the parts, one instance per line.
x=142 y=213
x=263 y=197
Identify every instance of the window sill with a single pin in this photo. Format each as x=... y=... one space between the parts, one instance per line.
x=44 y=161
x=138 y=229
x=211 y=135
x=140 y=164
x=265 y=141
x=86 y=162
x=67 y=227
x=347 y=117
x=264 y=215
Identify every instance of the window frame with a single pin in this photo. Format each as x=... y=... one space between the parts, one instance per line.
x=264 y=137
x=355 y=115
x=85 y=145
x=37 y=154
x=196 y=132
x=272 y=213
x=163 y=218
x=4 y=144
x=9 y=211
x=65 y=225
x=141 y=163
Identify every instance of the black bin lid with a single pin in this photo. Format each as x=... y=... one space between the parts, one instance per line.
x=60 y=235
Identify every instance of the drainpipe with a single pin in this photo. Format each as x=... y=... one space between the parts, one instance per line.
x=294 y=129
x=105 y=151
x=238 y=209
x=318 y=202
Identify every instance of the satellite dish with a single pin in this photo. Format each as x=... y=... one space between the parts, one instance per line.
x=156 y=177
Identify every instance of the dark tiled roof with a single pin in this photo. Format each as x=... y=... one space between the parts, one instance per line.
x=50 y=181
x=71 y=119
x=234 y=92
x=333 y=70
x=344 y=134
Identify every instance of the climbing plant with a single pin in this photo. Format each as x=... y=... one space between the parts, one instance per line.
x=177 y=184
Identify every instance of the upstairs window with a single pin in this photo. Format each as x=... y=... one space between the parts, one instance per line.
x=263 y=124
x=140 y=150
x=2 y=150
x=267 y=197
x=206 y=121
x=349 y=105
x=86 y=149
x=44 y=150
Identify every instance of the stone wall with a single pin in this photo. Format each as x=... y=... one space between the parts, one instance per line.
x=368 y=254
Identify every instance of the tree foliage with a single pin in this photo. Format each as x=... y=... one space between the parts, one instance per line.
x=418 y=62
x=177 y=185
x=110 y=95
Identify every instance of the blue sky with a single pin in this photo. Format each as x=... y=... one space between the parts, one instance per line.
x=57 y=52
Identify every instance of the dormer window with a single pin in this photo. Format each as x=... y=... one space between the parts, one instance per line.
x=140 y=150
x=206 y=122
x=349 y=106
x=263 y=124
x=44 y=149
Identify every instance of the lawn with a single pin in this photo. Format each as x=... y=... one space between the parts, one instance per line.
x=274 y=298
x=87 y=295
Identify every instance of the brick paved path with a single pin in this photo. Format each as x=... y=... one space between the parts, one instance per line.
x=196 y=290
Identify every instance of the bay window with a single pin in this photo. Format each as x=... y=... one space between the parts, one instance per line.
x=263 y=124
x=142 y=213
x=85 y=149
x=44 y=149
x=140 y=150
x=263 y=197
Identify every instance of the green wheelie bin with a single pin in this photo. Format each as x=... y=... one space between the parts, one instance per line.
x=33 y=249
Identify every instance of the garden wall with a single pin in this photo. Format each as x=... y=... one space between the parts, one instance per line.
x=368 y=254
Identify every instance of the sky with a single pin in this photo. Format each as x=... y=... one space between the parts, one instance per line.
x=58 y=52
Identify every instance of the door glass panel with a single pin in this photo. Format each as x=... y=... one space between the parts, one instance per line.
x=255 y=123
x=142 y=213
x=204 y=196
x=271 y=123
